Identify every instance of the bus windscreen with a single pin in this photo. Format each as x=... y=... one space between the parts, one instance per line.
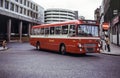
x=88 y=30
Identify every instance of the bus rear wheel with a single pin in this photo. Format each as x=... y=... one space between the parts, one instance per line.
x=63 y=49
x=38 y=46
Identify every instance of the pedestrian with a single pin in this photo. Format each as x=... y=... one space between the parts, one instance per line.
x=4 y=43
x=107 y=43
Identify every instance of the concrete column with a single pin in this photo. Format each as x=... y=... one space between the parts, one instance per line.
x=20 y=30
x=29 y=29
x=9 y=30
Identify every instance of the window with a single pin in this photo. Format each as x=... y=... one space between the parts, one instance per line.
x=52 y=31
x=28 y=13
x=21 y=1
x=72 y=30
x=46 y=31
x=16 y=8
x=42 y=31
x=16 y=0
x=12 y=6
x=36 y=8
x=114 y=30
x=24 y=2
x=31 y=6
x=25 y=11
x=28 y=4
x=88 y=30
x=65 y=29
x=1 y=3
x=7 y=5
x=21 y=9
x=58 y=30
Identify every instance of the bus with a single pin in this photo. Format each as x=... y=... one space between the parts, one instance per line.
x=76 y=36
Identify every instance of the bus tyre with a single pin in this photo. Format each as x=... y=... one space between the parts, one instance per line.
x=63 y=49
x=38 y=46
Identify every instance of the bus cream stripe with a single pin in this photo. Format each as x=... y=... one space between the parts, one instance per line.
x=62 y=36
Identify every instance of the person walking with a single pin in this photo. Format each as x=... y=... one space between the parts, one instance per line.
x=107 y=43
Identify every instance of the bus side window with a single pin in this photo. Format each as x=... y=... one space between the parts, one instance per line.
x=52 y=31
x=58 y=30
x=72 y=30
x=38 y=31
x=65 y=29
x=32 y=31
x=42 y=31
x=46 y=31
x=35 y=31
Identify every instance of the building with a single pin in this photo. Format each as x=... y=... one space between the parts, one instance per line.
x=17 y=17
x=81 y=17
x=97 y=14
x=110 y=13
x=59 y=15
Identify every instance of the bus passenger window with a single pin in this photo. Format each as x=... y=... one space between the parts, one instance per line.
x=42 y=31
x=52 y=30
x=35 y=31
x=58 y=30
x=72 y=30
x=46 y=31
x=38 y=31
x=65 y=29
x=32 y=31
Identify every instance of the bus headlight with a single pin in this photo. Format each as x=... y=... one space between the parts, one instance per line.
x=79 y=45
x=99 y=45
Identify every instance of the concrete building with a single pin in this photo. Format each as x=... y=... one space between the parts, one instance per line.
x=17 y=17
x=59 y=15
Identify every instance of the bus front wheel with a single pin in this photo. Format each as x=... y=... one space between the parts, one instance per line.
x=38 y=46
x=63 y=49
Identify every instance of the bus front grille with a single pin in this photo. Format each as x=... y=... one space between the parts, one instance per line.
x=89 y=49
x=89 y=45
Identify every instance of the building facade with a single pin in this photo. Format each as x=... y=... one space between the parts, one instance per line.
x=59 y=15
x=110 y=13
x=17 y=17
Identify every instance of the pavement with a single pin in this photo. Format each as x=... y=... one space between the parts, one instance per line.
x=115 y=50
x=2 y=49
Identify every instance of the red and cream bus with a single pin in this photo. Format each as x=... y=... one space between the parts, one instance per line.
x=77 y=36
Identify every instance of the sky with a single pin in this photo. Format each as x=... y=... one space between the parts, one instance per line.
x=84 y=7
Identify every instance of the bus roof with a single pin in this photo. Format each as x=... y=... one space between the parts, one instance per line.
x=67 y=22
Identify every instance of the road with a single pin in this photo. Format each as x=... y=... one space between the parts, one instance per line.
x=21 y=60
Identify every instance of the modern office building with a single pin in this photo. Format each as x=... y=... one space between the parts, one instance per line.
x=17 y=17
x=59 y=15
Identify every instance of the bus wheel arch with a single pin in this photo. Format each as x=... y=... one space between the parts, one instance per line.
x=62 y=49
x=38 y=45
